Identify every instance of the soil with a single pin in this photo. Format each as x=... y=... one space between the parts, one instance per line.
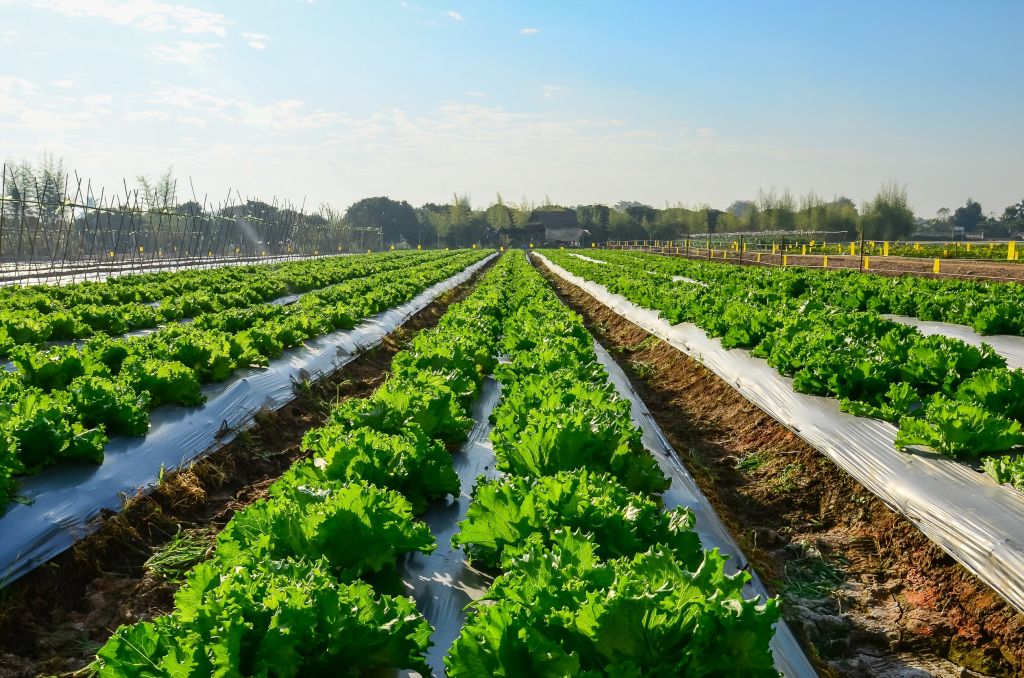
x=53 y=619
x=965 y=269
x=865 y=592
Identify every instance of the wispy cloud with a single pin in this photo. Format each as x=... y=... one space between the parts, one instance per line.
x=551 y=91
x=476 y=94
x=184 y=52
x=455 y=15
x=529 y=31
x=148 y=15
x=284 y=115
x=66 y=83
x=256 y=40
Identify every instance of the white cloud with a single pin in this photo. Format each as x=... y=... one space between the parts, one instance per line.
x=529 y=31
x=705 y=133
x=184 y=52
x=256 y=40
x=454 y=15
x=476 y=94
x=8 y=36
x=285 y=115
x=64 y=84
x=148 y=15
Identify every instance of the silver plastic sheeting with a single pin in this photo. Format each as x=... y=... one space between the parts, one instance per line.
x=975 y=520
x=442 y=583
x=1008 y=346
x=789 y=657
x=66 y=499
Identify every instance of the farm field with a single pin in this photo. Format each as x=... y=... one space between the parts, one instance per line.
x=956 y=506
x=64 y=400
x=829 y=332
x=564 y=503
x=333 y=525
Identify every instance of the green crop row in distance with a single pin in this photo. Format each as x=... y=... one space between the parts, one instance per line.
x=942 y=393
x=62 y=403
x=35 y=314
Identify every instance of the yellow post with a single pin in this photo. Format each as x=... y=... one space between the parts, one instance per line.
x=917 y=247
x=593 y=244
x=885 y=248
x=474 y=245
x=111 y=255
x=935 y=266
x=419 y=247
x=968 y=247
x=804 y=251
x=812 y=243
x=501 y=249
x=867 y=263
x=785 y=260
x=392 y=248
x=531 y=245
x=775 y=248
x=853 y=246
x=209 y=254
x=140 y=249
x=759 y=257
x=824 y=261
x=1011 y=250
x=264 y=253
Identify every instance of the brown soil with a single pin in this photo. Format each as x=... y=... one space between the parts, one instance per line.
x=863 y=589
x=53 y=619
x=965 y=269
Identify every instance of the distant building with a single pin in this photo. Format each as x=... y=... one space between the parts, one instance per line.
x=558 y=225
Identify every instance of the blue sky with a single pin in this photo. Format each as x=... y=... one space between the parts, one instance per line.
x=581 y=101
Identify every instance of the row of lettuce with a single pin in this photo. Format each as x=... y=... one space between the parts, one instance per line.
x=62 y=403
x=826 y=331
x=987 y=307
x=35 y=314
x=595 y=579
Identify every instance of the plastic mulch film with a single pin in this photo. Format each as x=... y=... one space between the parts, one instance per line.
x=65 y=500
x=789 y=657
x=1009 y=346
x=443 y=583
x=975 y=520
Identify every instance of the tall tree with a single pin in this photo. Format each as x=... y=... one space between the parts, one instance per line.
x=969 y=216
x=887 y=216
x=396 y=220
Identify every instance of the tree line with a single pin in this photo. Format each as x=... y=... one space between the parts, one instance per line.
x=381 y=221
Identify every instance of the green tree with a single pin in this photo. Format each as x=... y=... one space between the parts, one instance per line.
x=396 y=220
x=968 y=217
x=887 y=216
